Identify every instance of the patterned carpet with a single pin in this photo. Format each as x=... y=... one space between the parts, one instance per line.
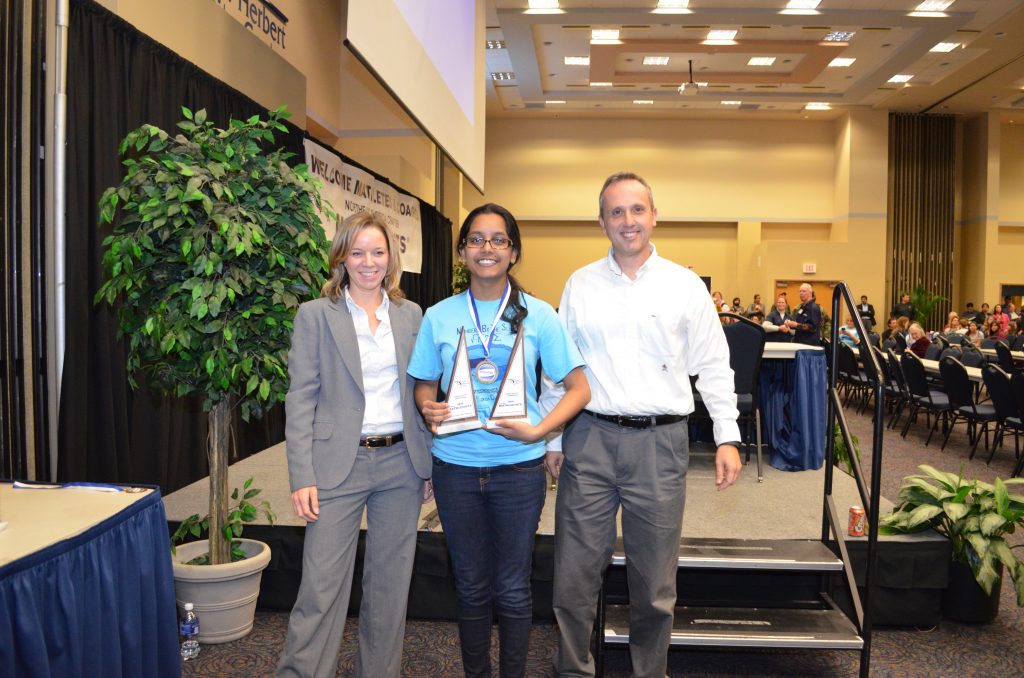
x=951 y=649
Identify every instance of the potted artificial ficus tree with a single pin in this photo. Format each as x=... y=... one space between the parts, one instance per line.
x=214 y=243
x=975 y=516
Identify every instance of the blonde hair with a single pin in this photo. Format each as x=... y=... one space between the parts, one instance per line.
x=341 y=248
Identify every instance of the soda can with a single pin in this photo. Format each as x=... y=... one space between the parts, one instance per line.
x=857 y=521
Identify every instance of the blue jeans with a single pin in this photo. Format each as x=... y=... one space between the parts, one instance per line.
x=490 y=516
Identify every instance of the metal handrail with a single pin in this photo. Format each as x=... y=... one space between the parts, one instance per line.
x=870 y=498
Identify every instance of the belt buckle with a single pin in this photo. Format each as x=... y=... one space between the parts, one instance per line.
x=373 y=442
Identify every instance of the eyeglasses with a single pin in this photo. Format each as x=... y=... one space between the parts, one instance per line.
x=498 y=242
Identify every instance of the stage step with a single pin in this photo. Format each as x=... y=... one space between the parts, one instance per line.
x=750 y=554
x=747 y=627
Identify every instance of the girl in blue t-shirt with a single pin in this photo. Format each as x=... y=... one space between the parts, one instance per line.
x=489 y=483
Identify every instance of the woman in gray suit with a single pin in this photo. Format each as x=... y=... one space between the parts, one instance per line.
x=355 y=441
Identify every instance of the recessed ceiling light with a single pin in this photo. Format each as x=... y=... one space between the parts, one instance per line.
x=600 y=84
x=495 y=44
x=818 y=106
x=801 y=7
x=841 y=62
x=577 y=61
x=933 y=6
x=731 y=103
x=544 y=7
x=643 y=102
x=720 y=37
x=900 y=77
x=672 y=7
x=839 y=36
x=498 y=76
x=555 y=101
x=945 y=47
x=655 y=61
x=605 y=36
x=761 y=61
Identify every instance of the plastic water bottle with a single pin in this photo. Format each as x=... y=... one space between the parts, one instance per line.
x=189 y=631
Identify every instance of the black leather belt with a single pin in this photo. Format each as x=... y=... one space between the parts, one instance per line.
x=372 y=442
x=635 y=421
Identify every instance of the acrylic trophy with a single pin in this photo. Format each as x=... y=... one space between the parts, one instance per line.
x=511 y=401
x=461 y=399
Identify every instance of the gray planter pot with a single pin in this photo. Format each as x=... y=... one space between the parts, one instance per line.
x=224 y=596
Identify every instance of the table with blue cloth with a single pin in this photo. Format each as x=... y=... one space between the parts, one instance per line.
x=792 y=394
x=86 y=584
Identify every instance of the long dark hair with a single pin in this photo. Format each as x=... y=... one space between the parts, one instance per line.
x=515 y=312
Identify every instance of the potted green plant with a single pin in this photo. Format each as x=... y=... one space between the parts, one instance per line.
x=924 y=303
x=841 y=453
x=974 y=516
x=214 y=243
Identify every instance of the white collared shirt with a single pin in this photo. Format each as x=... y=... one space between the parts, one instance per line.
x=379 y=363
x=642 y=339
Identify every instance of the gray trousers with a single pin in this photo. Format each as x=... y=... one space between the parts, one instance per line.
x=383 y=481
x=644 y=472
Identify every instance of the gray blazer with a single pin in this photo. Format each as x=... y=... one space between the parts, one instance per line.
x=325 y=403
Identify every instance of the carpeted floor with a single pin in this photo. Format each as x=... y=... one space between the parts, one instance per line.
x=951 y=649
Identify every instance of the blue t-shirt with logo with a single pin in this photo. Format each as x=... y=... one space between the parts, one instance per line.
x=544 y=340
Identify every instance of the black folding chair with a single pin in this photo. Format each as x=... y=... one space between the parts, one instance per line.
x=1017 y=384
x=1003 y=357
x=933 y=352
x=746 y=345
x=997 y=383
x=922 y=397
x=896 y=370
x=962 y=406
x=901 y=341
x=851 y=378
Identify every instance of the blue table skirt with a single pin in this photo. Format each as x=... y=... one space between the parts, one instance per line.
x=98 y=604
x=792 y=396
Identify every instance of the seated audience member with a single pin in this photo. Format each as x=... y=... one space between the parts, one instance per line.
x=737 y=305
x=904 y=325
x=982 y=316
x=904 y=308
x=969 y=313
x=848 y=333
x=1011 y=311
x=919 y=341
x=866 y=312
x=954 y=326
x=720 y=304
x=974 y=335
x=778 y=317
x=1000 y=315
x=994 y=329
x=894 y=326
x=755 y=307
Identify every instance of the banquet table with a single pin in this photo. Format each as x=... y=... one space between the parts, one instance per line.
x=792 y=394
x=86 y=585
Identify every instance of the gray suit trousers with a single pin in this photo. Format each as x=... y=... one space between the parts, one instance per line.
x=383 y=481
x=643 y=471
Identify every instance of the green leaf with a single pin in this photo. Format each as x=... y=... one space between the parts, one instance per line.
x=955 y=511
x=186 y=112
x=186 y=247
x=264 y=389
x=991 y=522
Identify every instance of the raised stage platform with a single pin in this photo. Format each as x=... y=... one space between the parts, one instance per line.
x=787 y=505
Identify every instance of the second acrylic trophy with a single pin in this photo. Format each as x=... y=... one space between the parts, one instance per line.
x=460 y=396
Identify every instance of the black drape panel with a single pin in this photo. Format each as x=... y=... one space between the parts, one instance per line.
x=119 y=79
x=435 y=281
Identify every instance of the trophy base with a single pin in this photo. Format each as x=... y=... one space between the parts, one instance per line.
x=493 y=423
x=446 y=427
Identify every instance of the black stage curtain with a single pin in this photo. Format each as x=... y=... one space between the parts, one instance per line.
x=119 y=79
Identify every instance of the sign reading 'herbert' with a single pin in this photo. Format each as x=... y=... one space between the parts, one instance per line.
x=261 y=17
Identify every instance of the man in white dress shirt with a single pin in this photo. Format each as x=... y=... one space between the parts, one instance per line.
x=644 y=325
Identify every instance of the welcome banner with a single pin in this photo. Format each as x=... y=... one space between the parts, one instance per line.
x=349 y=190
